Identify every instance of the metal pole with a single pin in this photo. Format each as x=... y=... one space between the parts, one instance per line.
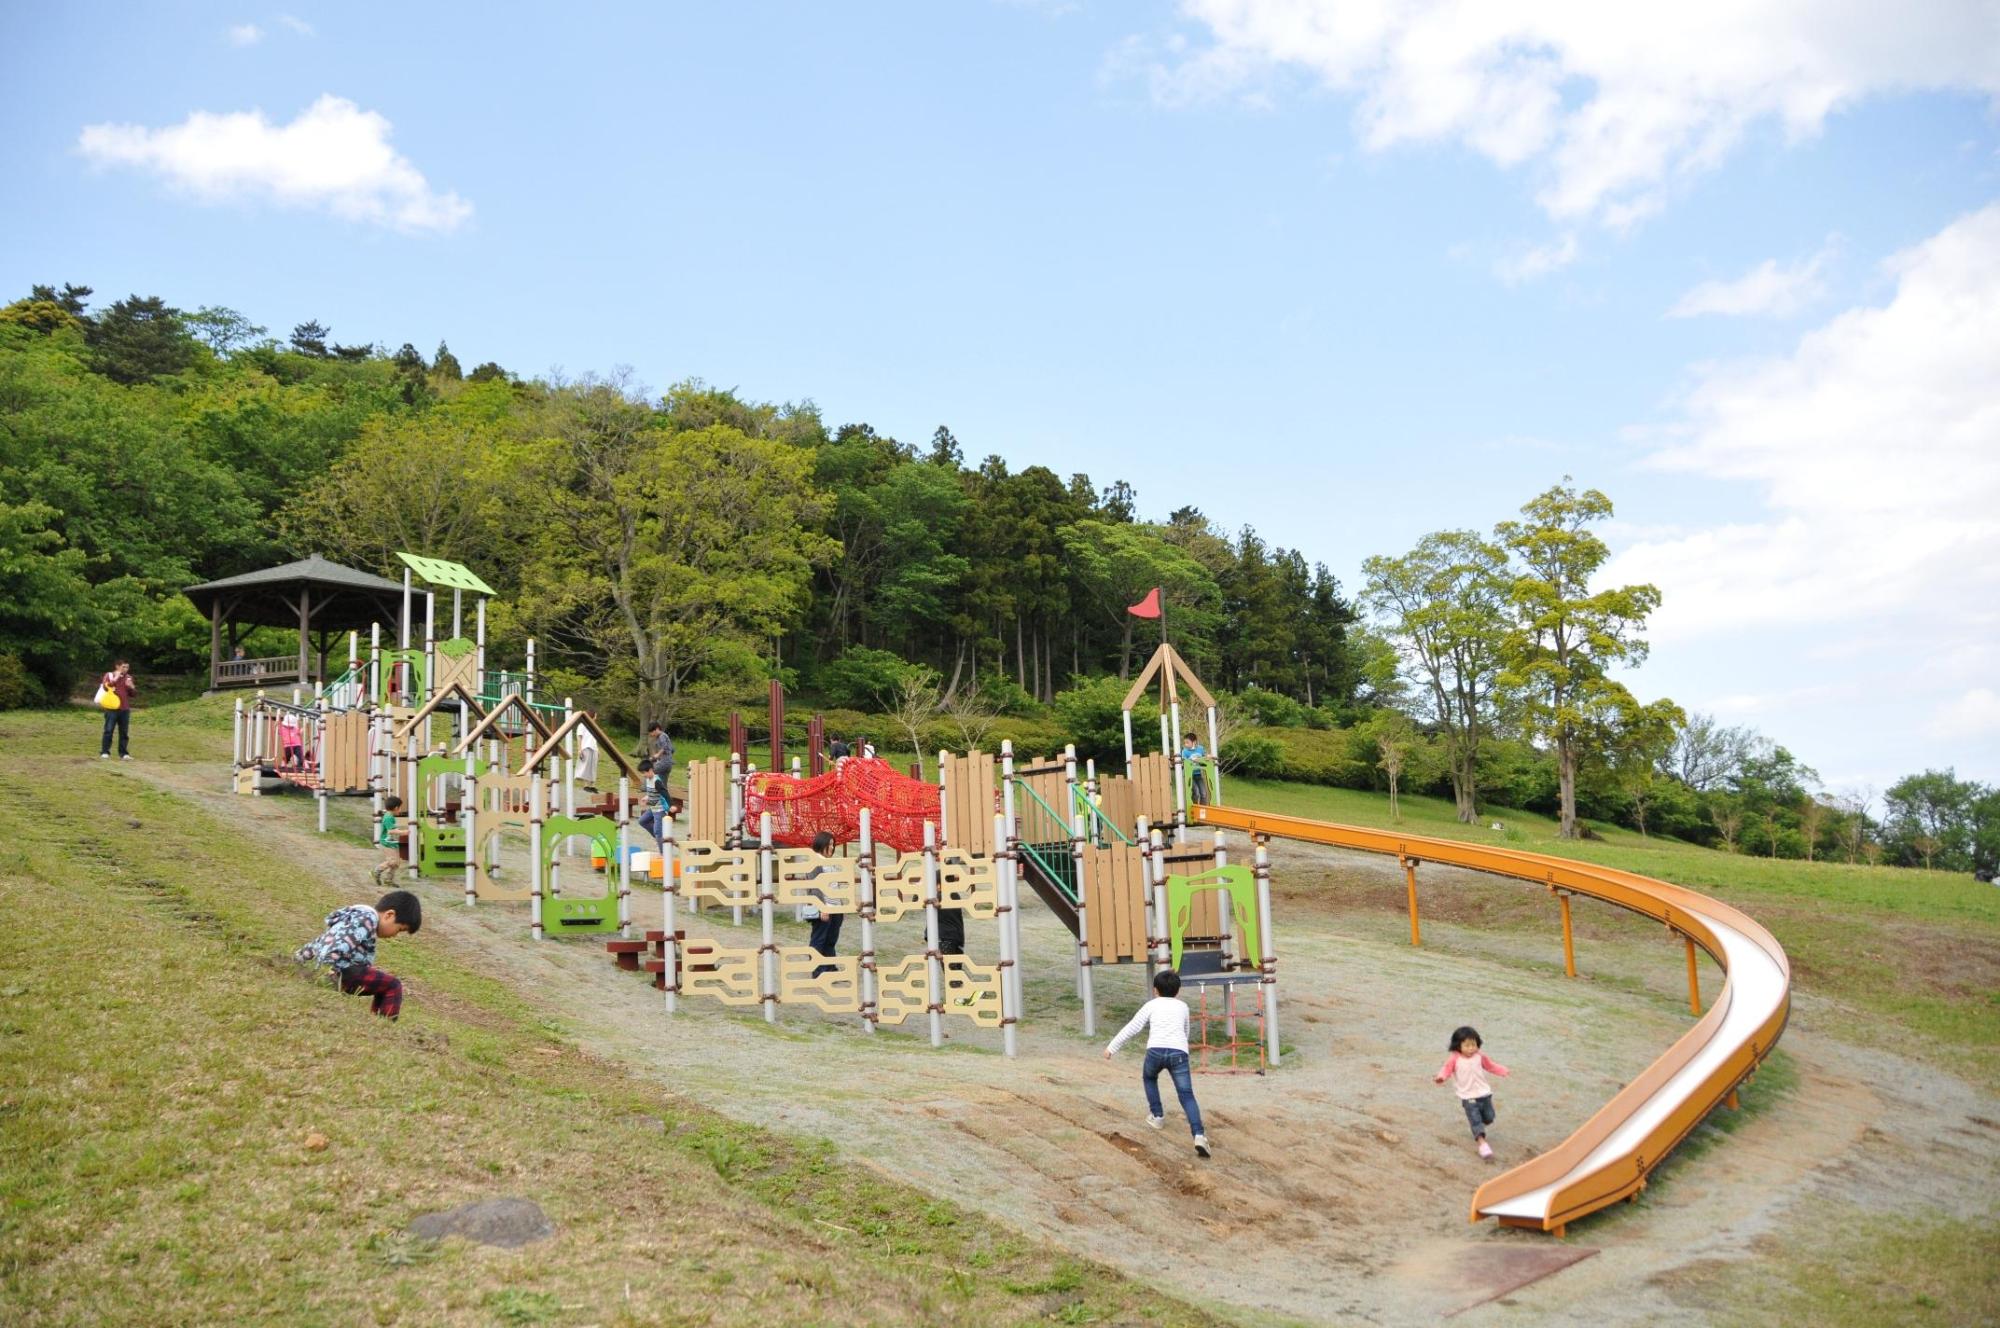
x=535 y=808
x=1214 y=761
x=1156 y=897
x=236 y=738
x=479 y=646
x=468 y=812
x=1268 y=964
x=1694 y=978
x=374 y=663
x=528 y=687
x=413 y=803
x=1182 y=775
x=1007 y=881
x=319 y=759
x=430 y=644
x=670 y=950
x=1154 y=936
x=457 y=604
x=767 y=953
x=735 y=836
x=933 y=960
x=865 y=863
x=624 y=855
x=1569 y=938
x=1225 y=908
x=1128 y=744
x=1410 y=877
x=403 y=629
x=1085 y=978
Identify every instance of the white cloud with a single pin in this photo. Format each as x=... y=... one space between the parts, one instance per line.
x=334 y=156
x=1537 y=262
x=244 y=34
x=1876 y=445
x=1614 y=103
x=297 y=25
x=1767 y=290
x=1976 y=713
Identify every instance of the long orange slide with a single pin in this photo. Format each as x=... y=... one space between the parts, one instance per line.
x=1608 y=1158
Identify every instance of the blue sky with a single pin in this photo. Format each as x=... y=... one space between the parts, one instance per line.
x=1275 y=258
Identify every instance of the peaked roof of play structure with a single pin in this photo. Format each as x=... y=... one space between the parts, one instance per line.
x=444 y=572
x=339 y=598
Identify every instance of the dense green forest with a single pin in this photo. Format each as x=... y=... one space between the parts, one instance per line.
x=671 y=554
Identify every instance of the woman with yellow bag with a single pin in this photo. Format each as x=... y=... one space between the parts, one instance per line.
x=114 y=695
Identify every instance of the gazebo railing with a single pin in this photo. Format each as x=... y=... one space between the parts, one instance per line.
x=257 y=672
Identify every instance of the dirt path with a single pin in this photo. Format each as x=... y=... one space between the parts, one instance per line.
x=1340 y=1185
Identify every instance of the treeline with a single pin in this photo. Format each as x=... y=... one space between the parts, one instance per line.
x=670 y=554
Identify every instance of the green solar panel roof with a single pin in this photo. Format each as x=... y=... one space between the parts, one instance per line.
x=439 y=572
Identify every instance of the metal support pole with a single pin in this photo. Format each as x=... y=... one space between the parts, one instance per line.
x=1007 y=880
x=236 y=745
x=1181 y=776
x=430 y=645
x=319 y=759
x=479 y=646
x=457 y=608
x=528 y=686
x=933 y=959
x=670 y=950
x=374 y=663
x=1694 y=978
x=1128 y=744
x=403 y=627
x=469 y=813
x=1569 y=938
x=1154 y=938
x=624 y=867
x=767 y=951
x=865 y=864
x=536 y=807
x=735 y=835
x=1156 y=897
x=1214 y=762
x=1410 y=876
x=1267 y=965
x=1086 y=979
x=412 y=800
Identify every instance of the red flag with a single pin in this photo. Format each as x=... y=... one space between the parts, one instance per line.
x=1148 y=607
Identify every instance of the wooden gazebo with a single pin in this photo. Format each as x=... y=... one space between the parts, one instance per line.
x=321 y=599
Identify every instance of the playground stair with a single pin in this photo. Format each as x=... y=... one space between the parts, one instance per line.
x=1055 y=888
x=647 y=956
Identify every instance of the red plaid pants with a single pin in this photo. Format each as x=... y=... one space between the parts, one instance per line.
x=386 y=988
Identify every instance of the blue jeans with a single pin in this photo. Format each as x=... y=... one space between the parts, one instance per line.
x=650 y=822
x=1174 y=1063
x=1478 y=1113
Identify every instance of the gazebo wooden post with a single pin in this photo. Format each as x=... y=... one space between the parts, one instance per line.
x=215 y=643
x=305 y=627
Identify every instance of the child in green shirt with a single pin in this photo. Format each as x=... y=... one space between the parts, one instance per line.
x=393 y=842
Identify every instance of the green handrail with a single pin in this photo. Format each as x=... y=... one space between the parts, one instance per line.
x=1062 y=879
x=1080 y=795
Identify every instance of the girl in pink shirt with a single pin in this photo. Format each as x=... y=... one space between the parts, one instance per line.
x=1467 y=1067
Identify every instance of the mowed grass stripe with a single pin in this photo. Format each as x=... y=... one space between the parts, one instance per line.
x=164 y=1066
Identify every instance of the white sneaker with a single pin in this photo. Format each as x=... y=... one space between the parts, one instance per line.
x=1201 y=1145
x=1156 y=1121
x=126 y=757
x=1485 y=1149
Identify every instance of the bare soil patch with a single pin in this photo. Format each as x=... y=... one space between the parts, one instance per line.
x=1341 y=1182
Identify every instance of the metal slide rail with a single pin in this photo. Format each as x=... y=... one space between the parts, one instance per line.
x=1609 y=1157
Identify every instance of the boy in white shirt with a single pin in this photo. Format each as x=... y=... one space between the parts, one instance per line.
x=1165 y=1018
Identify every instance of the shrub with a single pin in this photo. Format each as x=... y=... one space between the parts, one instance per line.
x=862 y=679
x=1271 y=710
x=18 y=687
x=1090 y=716
x=1253 y=756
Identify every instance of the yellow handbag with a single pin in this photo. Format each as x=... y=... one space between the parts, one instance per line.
x=107 y=698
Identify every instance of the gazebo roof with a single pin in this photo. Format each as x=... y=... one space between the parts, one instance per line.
x=341 y=598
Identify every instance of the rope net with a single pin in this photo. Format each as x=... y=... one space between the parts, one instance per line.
x=833 y=802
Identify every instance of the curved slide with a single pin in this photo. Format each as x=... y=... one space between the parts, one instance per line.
x=1608 y=1158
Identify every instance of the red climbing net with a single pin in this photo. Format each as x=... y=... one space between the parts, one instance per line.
x=833 y=802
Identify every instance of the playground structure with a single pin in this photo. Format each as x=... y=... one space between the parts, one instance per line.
x=964 y=844
x=1113 y=857
x=471 y=752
